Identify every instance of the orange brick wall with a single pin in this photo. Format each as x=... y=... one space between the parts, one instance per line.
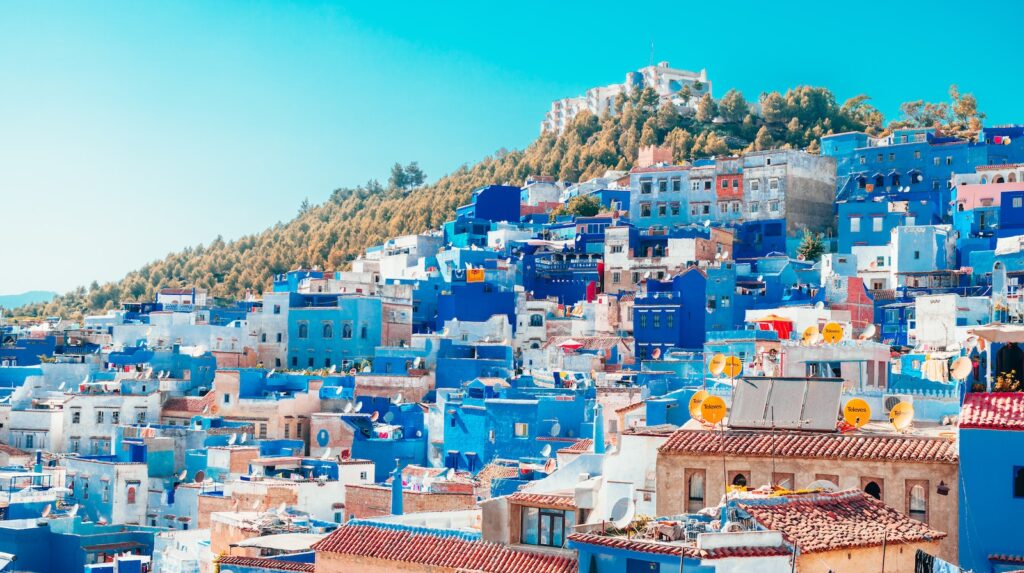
x=374 y=501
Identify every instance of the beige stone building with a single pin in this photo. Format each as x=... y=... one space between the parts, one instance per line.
x=916 y=475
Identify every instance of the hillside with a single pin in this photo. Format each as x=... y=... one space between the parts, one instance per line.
x=29 y=297
x=333 y=233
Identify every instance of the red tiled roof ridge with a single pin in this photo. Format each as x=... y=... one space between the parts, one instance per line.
x=443 y=550
x=813 y=445
x=993 y=411
x=662 y=548
x=188 y=403
x=261 y=563
x=842 y=520
x=556 y=500
x=583 y=445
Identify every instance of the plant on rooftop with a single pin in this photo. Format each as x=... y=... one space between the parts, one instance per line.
x=582 y=206
x=811 y=247
x=1008 y=382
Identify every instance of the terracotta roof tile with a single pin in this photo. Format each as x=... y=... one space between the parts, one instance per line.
x=442 y=549
x=1003 y=558
x=807 y=445
x=581 y=446
x=841 y=520
x=552 y=500
x=13 y=451
x=193 y=404
x=993 y=411
x=661 y=548
x=260 y=563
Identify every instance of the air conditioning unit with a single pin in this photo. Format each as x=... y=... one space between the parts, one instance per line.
x=889 y=401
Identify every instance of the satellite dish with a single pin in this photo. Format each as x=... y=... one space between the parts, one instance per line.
x=231 y=439
x=398 y=399
x=333 y=368
x=200 y=477
x=545 y=451
x=556 y=429
x=733 y=366
x=348 y=408
x=419 y=433
x=717 y=364
x=695 y=401
x=902 y=415
x=713 y=409
x=656 y=354
x=823 y=484
x=359 y=406
x=73 y=511
x=869 y=332
x=832 y=333
x=961 y=368
x=47 y=509
x=810 y=335
x=623 y=512
x=550 y=466
x=346 y=454
x=183 y=475
x=245 y=436
x=857 y=412
x=271 y=372
x=389 y=417
x=374 y=416
x=707 y=223
x=819 y=305
x=760 y=278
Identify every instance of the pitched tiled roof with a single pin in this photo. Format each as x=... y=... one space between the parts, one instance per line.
x=581 y=446
x=552 y=500
x=890 y=447
x=841 y=520
x=194 y=404
x=630 y=407
x=657 y=547
x=13 y=451
x=993 y=411
x=260 y=563
x=438 y=549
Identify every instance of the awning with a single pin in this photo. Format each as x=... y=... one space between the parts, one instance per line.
x=1001 y=333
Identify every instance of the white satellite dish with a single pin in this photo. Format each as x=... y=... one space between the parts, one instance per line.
x=869 y=332
x=333 y=368
x=182 y=475
x=272 y=372
x=623 y=512
x=556 y=429
x=245 y=436
x=961 y=368
x=707 y=222
x=760 y=278
x=545 y=451
x=819 y=305
x=231 y=439
x=46 y=510
x=398 y=399
x=348 y=408
x=359 y=406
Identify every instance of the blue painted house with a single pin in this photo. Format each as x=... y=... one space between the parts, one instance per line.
x=328 y=330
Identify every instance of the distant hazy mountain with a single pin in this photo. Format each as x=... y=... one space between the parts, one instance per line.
x=32 y=296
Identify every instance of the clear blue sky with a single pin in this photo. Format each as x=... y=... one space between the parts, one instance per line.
x=129 y=130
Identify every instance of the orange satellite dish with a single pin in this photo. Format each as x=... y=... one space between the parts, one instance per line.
x=713 y=409
x=961 y=368
x=811 y=335
x=717 y=364
x=832 y=333
x=733 y=366
x=695 y=401
x=857 y=412
x=902 y=415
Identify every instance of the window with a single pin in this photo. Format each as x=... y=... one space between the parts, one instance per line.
x=707 y=185
x=277 y=363
x=346 y=330
x=662 y=209
x=892 y=156
x=662 y=185
x=363 y=331
x=303 y=330
x=917 y=255
x=263 y=337
x=645 y=209
x=949 y=160
x=645 y=186
x=657 y=320
x=30 y=440
x=615 y=277
x=694 y=490
x=1018 y=482
x=263 y=430
x=1018 y=202
x=723 y=207
x=668 y=319
x=362 y=476
x=936 y=161
x=876 y=224
x=536 y=320
x=755 y=185
x=735 y=183
x=287 y=430
x=674 y=208
x=753 y=207
x=738 y=478
x=725 y=300
x=725 y=183
x=106 y=492
x=784 y=480
x=879 y=158
x=277 y=309
x=773 y=184
x=140 y=417
x=115 y=417
x=298 y=429
x=309 y=362
x=295 y=361
x=131 y=495
x=280 y=337
x=677 y=184
x=76 y=416
x=917 y=500
x=76 y=444
x=854 y=224
x=917 y=154
x=99 y=416
x=542 y=526
x=694 y=185
x=773 y=206
x=643 y=320
x=616 y=249
x=863 y=160
x=328 y=330
x=522 y=430
x=872 y=487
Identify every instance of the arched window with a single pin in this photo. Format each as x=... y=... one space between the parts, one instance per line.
x=346 y=330
x=960 y=207
x=896 y=179
x=536 y=320
x=1011 y=178
x=328 y=330
x=862 y=182
x=303 y=330
x=999 y=179
x=918 y=504
x=695 y=493
x=739 y=480
x=131 y=495
x=879 y=180
x=873 y=489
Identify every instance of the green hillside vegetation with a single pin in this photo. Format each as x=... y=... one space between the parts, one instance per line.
x=333 y=233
